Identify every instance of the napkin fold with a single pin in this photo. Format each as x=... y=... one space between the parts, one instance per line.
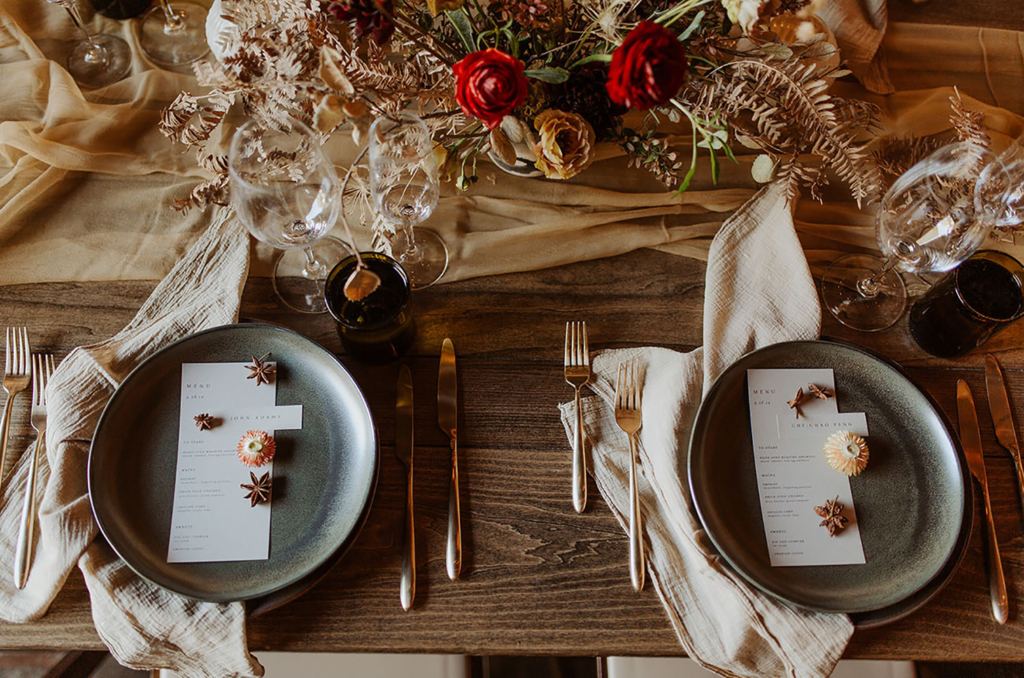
x=759 y=291
x=145 y=626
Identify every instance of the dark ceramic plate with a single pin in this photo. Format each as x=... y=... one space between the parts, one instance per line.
x=325 y=473
x=913 y=502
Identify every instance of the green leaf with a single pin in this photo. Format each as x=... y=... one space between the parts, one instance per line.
x=694 y=25
x=460 y=20
x=552 y=76
x=693 y=166
x=603 y=58
x=715 y=167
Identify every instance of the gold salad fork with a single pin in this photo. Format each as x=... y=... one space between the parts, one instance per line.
x=627 y=416
x=16 y=380
x=577 y=373
x=42 y=368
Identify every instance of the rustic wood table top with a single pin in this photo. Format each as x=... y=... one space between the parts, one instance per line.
x=538 y=578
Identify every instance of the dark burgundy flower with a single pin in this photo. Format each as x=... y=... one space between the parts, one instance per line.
x=365 y=17
x=489 y=84
x=648 y=68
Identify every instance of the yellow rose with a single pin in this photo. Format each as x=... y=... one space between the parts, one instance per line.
x=438 y=6
x=566 y=145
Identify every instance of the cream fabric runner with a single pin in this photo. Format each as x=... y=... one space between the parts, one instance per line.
x=86 y=179
x=758 y=291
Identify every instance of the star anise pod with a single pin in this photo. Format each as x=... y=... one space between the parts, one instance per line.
x=820 y=391
x=259 y=490
x=794 y=404
x=832 y=512
x=204 y=421
x=261 y=372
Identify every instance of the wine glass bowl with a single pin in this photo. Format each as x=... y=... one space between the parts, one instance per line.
x=285 y=190
x=95 y=61
x=928 y=222
x=405 y=189
x=174 y=33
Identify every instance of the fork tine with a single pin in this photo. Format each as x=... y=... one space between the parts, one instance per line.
x=568 y=325
x=35 y=380
x=586 y=347
x=25 y=357
x=618 y=389
x=51 y=365
x=7 y=364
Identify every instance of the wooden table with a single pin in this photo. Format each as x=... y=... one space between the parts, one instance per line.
x=538 y=579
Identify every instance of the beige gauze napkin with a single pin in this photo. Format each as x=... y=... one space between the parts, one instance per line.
x=759 y=291
x=145 y=626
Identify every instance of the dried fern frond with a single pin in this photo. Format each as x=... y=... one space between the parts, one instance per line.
x=969 y=124
x=896 y=155
x=783 y=105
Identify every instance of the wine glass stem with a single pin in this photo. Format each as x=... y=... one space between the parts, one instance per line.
x=869 y=287
x=314 y=269
x=412 y=251
x=96 y=53
x=173 y=19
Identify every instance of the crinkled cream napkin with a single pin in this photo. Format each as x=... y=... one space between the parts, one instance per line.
x=759 y=291
x=144 y=626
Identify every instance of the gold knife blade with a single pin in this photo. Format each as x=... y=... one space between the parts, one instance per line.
x=1002 y=417
x=447 y=419
x=970 y=438
x=404 y=446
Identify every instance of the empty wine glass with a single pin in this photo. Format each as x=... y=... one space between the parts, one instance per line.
x=172 y=34
x=1001 y=187
x=285 y=191
x=97 y=60
x=404 y=185
x=928 y=222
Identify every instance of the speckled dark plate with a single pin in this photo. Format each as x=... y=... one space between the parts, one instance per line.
x=913 y=502
x=325 y=473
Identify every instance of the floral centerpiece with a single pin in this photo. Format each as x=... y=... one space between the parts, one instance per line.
x=541 y=82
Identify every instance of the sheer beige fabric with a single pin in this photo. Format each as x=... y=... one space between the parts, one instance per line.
x=86 y=180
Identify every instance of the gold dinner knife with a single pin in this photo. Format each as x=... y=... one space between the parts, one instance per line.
x=970 y=437
x=404 y=450
x=1002 y=417
x=447 y=418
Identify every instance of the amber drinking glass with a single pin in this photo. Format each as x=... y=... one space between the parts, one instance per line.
x=380 y=327
x=968 y=306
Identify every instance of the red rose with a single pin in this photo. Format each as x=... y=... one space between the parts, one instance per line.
x=648 y=68
x=489 y=84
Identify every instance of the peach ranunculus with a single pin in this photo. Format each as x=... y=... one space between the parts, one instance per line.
x=566 y=145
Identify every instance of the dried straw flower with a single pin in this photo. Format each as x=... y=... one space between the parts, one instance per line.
x=566 y=145
x=846 y=452
x=256 y=448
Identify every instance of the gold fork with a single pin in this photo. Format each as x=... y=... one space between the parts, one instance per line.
x=577 y=373
x=16 y=380
x=627 y=416
x=42 y=368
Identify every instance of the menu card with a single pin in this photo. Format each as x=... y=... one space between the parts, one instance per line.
x=211 y=520
x=792 y=474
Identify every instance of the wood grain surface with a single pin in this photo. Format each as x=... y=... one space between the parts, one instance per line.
x=539 y=579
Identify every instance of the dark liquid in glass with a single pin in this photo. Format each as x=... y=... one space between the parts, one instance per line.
x=380 y=327
x=966 y=307
x=121 y=9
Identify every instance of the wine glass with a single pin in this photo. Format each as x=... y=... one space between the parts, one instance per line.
x=172 y=34
x=404 y=186
x=285 y=191
x=97 y=60
x=928 y=222
x=1001 y=187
